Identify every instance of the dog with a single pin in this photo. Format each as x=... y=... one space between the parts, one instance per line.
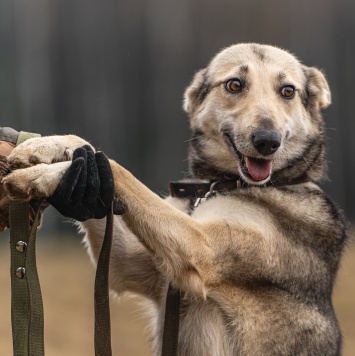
x=255 y=264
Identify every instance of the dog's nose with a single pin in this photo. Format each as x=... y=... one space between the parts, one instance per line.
x=266 y=141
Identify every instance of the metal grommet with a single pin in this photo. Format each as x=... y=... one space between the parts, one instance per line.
x=21 y=272
x=21 y=246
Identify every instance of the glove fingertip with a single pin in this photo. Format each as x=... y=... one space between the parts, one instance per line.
x=101 y=158
x=75 y=168
x=78 y=162
x=88 y=149
x=79 y=152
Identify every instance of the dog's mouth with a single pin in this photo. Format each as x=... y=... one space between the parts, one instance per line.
x=256 y=168
x=252 y=168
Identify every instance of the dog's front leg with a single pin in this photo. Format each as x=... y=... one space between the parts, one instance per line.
x=131 y=265
x=178 y=244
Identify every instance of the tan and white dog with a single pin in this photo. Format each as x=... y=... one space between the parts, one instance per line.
x=256 y=266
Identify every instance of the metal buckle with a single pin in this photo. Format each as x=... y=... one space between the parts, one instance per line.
x=209 y=194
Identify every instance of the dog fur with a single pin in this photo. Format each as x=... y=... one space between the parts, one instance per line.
x=256 y=266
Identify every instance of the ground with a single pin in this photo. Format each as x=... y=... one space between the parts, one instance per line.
x=67 y=279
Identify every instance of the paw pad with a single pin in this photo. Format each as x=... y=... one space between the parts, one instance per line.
x=34 y=160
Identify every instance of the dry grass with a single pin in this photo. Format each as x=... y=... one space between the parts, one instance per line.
x=67 y=286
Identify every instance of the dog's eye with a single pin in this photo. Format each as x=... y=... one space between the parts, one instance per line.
x=234 y=85
x=288 y=91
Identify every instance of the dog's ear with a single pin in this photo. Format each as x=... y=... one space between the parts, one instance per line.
x=196 y=92
x=316 y=88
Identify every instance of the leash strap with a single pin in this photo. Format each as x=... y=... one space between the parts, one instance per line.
x=101 y=294
x=36 y=323
x=26 y=298
x=171 y=322
x=20 y=303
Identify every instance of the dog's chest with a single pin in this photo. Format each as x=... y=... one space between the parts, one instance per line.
x=204 y=330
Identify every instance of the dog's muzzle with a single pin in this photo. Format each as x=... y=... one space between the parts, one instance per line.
x=255 y=169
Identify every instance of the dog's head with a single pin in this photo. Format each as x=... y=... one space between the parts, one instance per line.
x=256 y=112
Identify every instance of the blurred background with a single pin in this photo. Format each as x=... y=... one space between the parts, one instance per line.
x=114 y=73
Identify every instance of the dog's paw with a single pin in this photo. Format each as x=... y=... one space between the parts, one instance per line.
x=35 y=182
x=48 y=149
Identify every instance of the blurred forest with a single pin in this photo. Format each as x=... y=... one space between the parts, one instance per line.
x=114 y=72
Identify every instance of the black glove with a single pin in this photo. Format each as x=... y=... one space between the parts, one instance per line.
x=86 y=190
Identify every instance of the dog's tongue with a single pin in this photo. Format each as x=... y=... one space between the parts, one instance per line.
x=259 y=169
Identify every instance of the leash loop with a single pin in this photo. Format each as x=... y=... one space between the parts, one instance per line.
x=36 y=322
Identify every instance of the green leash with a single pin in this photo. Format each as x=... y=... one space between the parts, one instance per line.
x=26 y=298
x=101 y=293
